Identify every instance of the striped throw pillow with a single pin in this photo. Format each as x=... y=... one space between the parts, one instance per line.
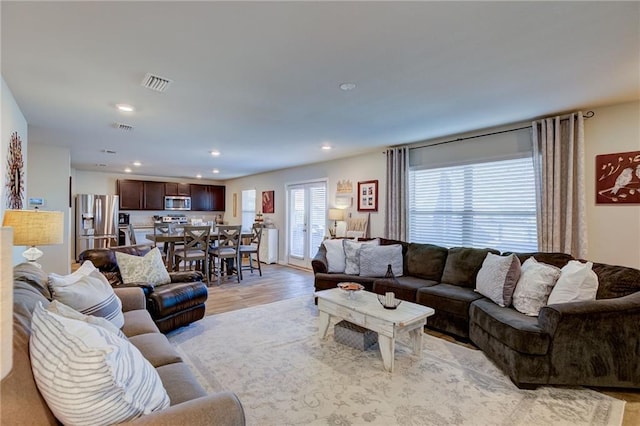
x=89 y=375
x=88 y=291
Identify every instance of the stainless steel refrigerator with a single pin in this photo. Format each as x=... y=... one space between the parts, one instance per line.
x=96 y=221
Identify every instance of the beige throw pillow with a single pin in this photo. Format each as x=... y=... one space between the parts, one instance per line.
x=335 y=255
x=533 y=288
x=148 y=269
x=88 y=291
x=352 y=254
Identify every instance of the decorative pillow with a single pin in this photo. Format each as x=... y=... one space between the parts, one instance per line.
x=147 y=269
x=352 y=255
x=63 y=310
x=88 y=291
x=498 y=277
x=374 y=260
x=88 y=375
x=533 y=288
x=577 y=282
x=335 y=255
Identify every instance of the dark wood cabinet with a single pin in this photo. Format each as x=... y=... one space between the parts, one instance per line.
x=153 y=196
x=207 y=197
x=149 y=195
x=178 y=189
x=131 y=194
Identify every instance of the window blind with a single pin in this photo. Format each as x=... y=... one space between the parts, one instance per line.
x=489 y=204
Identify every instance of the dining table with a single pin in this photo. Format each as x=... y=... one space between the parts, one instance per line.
x=170 y=239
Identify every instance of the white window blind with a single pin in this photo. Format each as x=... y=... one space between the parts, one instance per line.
x=489 y=204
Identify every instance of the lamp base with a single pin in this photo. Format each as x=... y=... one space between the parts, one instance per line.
x=32 y=254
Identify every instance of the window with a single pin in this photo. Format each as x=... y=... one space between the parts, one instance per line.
x=490 y=204
x=248 y=208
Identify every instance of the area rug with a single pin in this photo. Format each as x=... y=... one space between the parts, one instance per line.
x=272 y=358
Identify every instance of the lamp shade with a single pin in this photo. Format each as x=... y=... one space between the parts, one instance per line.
x=6 y=300
x=336 y=214
x=35 y=227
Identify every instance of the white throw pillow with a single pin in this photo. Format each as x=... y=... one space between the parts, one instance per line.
x=61 y=309
x=577 y=282
x=143 y=269
x=90 y=376
x=352 y=254
x=335 y=255
x=533 y=288
x=88 y=291
x=498 y=277
x=375 y=260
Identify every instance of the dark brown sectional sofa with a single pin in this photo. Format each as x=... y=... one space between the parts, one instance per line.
x=593 y=343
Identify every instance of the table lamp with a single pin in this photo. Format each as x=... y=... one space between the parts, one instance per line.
x=34 y=227
x=335 y=215
x=6 y=300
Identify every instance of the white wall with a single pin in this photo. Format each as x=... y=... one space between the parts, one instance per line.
x=369 y=166
x=12 y=121
x=49 y=169
x=613 y=231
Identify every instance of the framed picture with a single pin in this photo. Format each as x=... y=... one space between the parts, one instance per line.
x=368 y=196
x=618 y=178
x=267 y=202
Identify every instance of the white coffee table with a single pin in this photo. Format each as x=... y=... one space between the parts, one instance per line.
x=365 y=311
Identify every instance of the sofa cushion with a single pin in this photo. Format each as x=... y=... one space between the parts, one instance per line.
x=405 y=288
x=577 y=282
x=335 y=255
x=463 y=264
x=498 y=277
x=138 y=322
x=88 y=375
x=88 y=291
x=375 y=260
x=352 y=255
x=180 y=383
x=520 y=332
x=426 y=261
x=616 y=281
x=448 y=298
x=534 y=286
x=149 y=268
x=555 y=259
x=155 y=348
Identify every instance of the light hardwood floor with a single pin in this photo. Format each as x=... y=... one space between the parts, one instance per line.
x=280 y=282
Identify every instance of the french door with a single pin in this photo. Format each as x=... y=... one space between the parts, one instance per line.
x=306 y=218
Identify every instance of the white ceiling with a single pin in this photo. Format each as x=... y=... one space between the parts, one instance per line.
x=258 y=81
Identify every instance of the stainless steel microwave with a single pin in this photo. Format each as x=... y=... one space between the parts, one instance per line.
x=177 y=203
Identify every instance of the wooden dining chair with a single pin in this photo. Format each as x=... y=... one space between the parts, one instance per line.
x=132 y=235
x=195 y=249
x=248 y=250
x=225 y=252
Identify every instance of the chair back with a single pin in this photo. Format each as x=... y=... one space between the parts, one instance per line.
x=196 y=237
x=160 y=229
x=256 y=234
x=132 y=235
x=229 y=236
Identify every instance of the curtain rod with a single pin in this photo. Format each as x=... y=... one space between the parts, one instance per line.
x=588 y=114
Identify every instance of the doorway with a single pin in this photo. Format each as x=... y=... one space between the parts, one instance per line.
x=306 y=218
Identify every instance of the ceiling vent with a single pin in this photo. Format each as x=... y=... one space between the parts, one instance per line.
x=156 y=83
x=122 y=126
x=108 y=151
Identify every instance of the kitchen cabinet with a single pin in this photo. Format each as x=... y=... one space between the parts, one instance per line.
x=207 y=197
x=153 y=196
x=177 y=189
x=269 y=246
x=131 y=194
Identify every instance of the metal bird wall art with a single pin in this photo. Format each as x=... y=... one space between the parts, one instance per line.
x=618 y=178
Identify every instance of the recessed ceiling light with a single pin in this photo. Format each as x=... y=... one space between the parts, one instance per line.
x=127 y=170
x=215 y=153
x=347 y=86
x=199 y=176
x=216 y=171
x=327 y=147
x=137 y=163
x=124 y=108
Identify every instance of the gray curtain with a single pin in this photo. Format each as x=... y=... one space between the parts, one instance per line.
x=395 y=221
x=558 y=155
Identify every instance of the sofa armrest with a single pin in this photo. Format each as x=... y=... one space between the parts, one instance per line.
x=186 y=276
x=132 y=298
x=221 y=408
x=594 y=343
x=319 y=262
